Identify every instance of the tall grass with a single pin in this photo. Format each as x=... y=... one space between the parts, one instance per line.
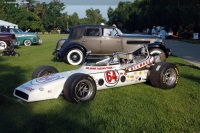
x=136 y=108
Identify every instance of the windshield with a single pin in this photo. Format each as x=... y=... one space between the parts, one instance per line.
x=19 y=30
x=14 y=31
x=97 y=60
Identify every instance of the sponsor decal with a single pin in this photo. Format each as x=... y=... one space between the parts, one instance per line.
x=125 y=73
x=158 y=67
x=177 y=75
x=41 y=88
x=29 y=89
x=45 y=79
x=112 y=78
x=140 y=65
x=99 y=68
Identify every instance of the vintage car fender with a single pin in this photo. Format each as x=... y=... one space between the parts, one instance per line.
x=160 y=46
x=68 y=47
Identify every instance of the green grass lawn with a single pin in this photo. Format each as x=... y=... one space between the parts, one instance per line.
x=138 y=108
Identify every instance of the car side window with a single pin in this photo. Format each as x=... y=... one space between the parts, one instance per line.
x=106 y=31
x=92 y=32
x=11 y=31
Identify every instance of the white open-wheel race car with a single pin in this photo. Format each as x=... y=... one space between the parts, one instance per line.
x=97 y=73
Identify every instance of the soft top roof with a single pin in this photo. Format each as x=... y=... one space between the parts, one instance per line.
x=77 y=31
x=91 y=25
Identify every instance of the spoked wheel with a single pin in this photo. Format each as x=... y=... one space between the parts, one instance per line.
x=169 y=77
x=79 y=88
x=43 y=70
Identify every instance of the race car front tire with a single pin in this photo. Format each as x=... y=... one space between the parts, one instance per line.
x=43 y=70
x=79 y=88
x=164 y=75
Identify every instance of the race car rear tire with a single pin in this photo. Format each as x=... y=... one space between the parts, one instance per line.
x=43 y=70
x=156 y=52
x=79 y=88
x=74 y=57
x=164 y=75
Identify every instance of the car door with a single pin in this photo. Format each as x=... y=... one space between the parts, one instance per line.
x=20 y=37
x=110 y=44
x=91 y=40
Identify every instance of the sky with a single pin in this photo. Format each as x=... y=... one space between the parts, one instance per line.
x=80 y=6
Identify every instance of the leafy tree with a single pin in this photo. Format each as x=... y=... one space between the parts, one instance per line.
x=94 y=16
x=177 y=14
x=11 y=12
x=52 y=15
x=73 y=19
x=2 y=11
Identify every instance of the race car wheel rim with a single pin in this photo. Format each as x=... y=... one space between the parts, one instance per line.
x=83 y=90
x=169 y=77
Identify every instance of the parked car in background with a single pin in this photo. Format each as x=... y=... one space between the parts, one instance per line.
x=186 y=35
x=25 y=38
x=97 y=39
x=7 y=39
x=65 y=31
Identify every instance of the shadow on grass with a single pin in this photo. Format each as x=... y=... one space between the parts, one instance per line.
x=71 y=118
x=67 y=118
x=18 y=116
x=57 y=60
x=190 y=76
x=188 y=65
x=10 y=78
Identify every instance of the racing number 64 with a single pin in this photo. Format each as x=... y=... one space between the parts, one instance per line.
x=112 y=76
